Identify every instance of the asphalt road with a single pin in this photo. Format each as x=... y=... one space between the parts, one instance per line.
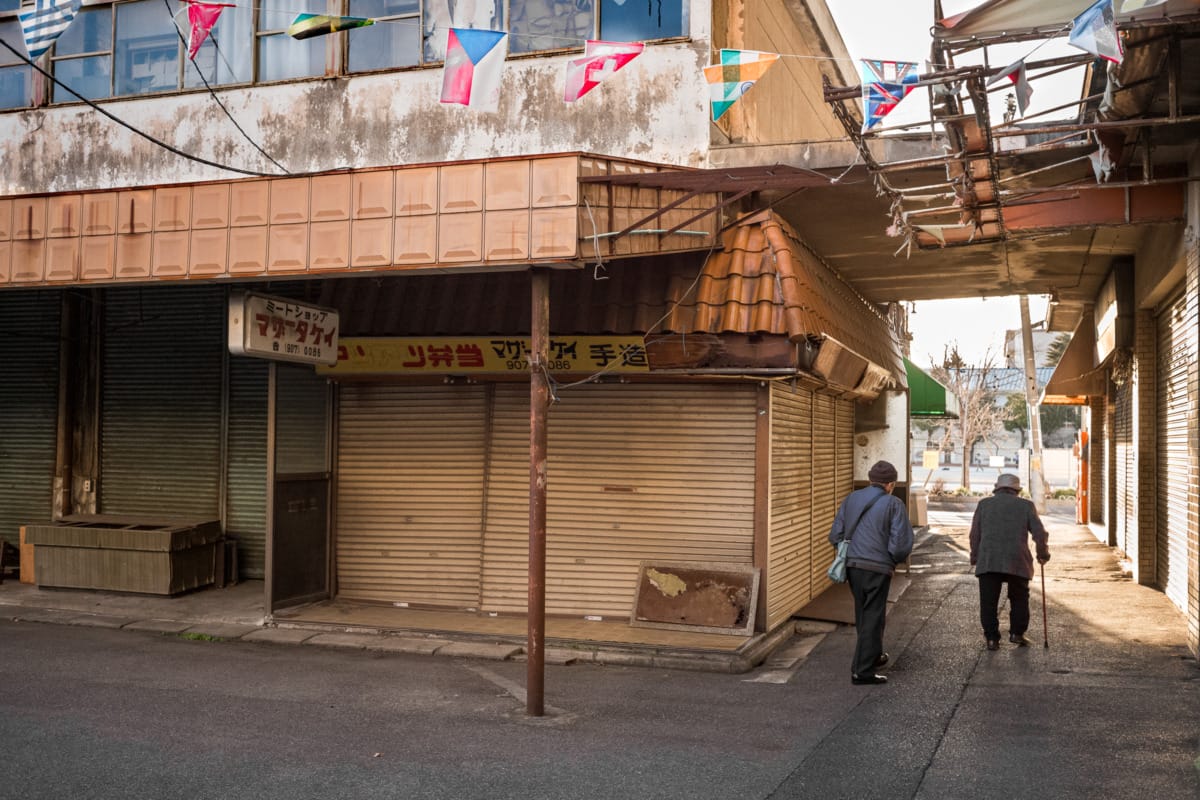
x=1110 y=710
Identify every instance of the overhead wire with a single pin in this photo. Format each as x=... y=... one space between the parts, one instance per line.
x=159 y=142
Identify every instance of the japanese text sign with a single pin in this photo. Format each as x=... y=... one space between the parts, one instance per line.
x=486 y=355
x=282 y=329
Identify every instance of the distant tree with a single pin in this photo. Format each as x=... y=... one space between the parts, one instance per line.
x=979 y=415
x=1052 y=417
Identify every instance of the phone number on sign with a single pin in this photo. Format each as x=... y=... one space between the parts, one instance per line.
x=523 y=364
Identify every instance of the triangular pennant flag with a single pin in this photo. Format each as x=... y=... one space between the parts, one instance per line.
x=306 y=26
x=600 y=61
x=1138 y=5
x=202 y=17
x=1016 y=74
x=1095 y=30
x=471 y=75
x=733 y=75
x=884 y=85
x=44 y=24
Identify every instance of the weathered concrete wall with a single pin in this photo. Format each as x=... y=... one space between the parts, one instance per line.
x=656 y=109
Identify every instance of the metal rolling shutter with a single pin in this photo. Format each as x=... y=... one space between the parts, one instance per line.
x=246 y=480
x=793 y=542
x=1176 y=352
x=161 y=401
x=28 y=407
x=410 y=493
x=635 y=472
x=828 y=493
x=1125 y=470
x=1098 y=443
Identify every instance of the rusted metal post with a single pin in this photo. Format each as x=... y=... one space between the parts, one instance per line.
x=539 y=404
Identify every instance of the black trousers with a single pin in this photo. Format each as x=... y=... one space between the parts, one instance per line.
x=989 y=602
x=870 y=590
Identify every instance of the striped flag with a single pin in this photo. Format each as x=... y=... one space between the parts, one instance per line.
x=306 y=26
x=471 y=75
x=733 y=75
x=44 y=24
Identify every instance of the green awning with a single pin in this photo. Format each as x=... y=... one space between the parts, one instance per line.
x=926 y=397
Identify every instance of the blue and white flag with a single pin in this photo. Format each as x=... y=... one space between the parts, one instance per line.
x=45 y=22
x=1095 y=31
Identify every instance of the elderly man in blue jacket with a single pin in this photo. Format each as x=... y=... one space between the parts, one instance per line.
x=1000 y=532
x=880 y=535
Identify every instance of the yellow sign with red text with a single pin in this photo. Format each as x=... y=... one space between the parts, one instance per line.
x=476 y=355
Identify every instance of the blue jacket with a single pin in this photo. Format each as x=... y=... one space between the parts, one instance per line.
x=884 y=536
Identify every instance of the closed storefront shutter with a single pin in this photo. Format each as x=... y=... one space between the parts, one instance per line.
x=246 y=479
x=1097 y=461
x=635 y=472
x=28 y=407
x=827 y=492
x=794 y=542
x=1176 y=343
x=409 y=474
x=1125 y=469
x=161 y=387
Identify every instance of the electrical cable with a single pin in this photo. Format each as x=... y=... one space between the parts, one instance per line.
x=124 y=124
x=212 y=92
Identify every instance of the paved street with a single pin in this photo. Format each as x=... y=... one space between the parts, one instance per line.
x=1110 y=709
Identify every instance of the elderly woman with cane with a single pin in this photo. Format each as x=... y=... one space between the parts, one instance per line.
x=1000 y=532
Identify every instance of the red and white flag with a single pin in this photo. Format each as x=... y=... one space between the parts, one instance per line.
x=202 y=17
x=1016 y=74
x=600 y=61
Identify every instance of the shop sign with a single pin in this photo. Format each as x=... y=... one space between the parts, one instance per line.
x=281 y=329
x=476 y=355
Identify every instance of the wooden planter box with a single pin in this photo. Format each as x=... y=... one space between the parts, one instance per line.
x=120 y=554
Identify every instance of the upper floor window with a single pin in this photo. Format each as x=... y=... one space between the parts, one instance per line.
x=16 y=77
x=133 y=47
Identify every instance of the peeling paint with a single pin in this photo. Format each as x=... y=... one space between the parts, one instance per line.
x=665 y=582
x=656 y=110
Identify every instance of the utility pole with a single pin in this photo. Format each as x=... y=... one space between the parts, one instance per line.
x=1037 y=485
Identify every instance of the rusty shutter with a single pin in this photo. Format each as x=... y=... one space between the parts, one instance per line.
x=1124 y=470
x=1176 y=353
x=28 y=407
x=409 y=493
x=161 y=395
x=635 y=472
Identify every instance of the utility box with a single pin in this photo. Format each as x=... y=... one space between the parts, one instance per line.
x=918 y=506
x=121 y=554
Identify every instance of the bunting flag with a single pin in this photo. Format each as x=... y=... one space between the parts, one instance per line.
x=202 y=17
x=733 y=75
x=884 y=85
x=1095 y=30
x=1016 y=74
x=471 y=76
x=1138 y=5
x=600 y=60
x=45 y=23
x=306 y=26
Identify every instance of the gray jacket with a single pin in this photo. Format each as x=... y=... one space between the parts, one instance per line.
x=884 y=536
x=1000 y=533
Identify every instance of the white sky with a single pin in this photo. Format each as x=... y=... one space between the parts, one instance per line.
x=901 y=33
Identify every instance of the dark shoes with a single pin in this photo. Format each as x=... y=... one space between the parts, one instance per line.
x=993 y=644
x=863 y=680
x=1018 y=639
x=883 y=659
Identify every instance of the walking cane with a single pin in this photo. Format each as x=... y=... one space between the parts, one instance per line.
x=1045 y=635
